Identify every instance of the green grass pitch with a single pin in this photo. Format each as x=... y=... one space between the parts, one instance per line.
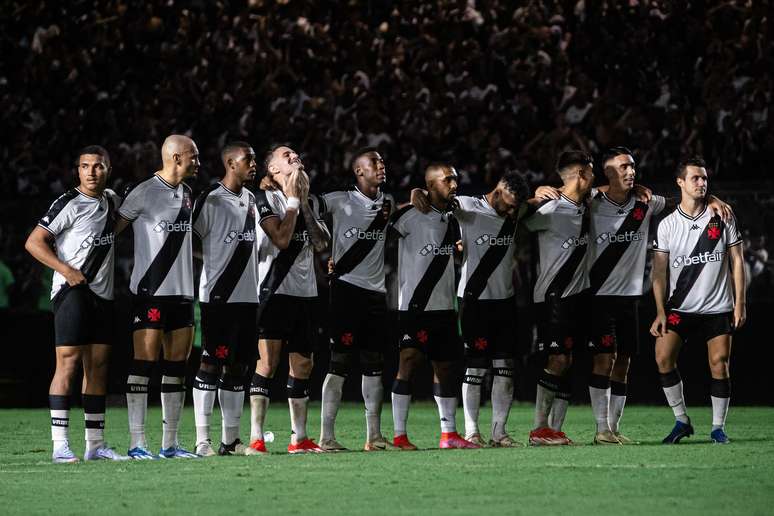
x=692 y=478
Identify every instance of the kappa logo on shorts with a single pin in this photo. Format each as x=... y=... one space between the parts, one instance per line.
x=136 y=319
x=607 y=341
x=480 y=343
x=422 y=336
x=221 y=352
x=154 y=315
x=673 y=319
x=346 y=338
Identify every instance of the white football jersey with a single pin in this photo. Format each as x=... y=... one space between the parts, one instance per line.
x=618 y=244
x=359 y=227
x=288 y=271
x=488 y=242
x=562 y=227
x=161 y=221
x=82 y=227
x=699 y=275
x=425 y=259
x=225 y=222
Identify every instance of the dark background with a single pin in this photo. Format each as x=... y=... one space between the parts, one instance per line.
x=501 y=85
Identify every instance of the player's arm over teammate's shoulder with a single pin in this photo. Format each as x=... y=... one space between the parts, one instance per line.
x=279 y=230
x=131 y=207
x=400 y=221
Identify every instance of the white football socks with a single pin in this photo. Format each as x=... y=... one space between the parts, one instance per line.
x=373 y=396
x=331 y=400
x=471 y=398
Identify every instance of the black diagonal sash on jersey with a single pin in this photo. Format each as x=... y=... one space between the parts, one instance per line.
x=559 y=284
x=432 y=275
x=361 y=248
x=97 y=254
x=281 y=265
x=166 y=256
x=690 y=274
x=612 y=254
x=489 y=262
x=228 y=280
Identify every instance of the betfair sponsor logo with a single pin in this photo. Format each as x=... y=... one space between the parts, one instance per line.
x=361 y=234
x=234 y=235
x=494 y=240
x=707 y=257
x=615 y=238
x=437 y=250
x=170 y=227
x=96 y=241
x=301 y=237
x=575 y=242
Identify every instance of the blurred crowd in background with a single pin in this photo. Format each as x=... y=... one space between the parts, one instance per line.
x=488 y=85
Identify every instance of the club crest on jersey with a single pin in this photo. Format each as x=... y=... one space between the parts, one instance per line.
x=706 y=257
x=247 y=236
x=170 y=227
x=361 y=234
x=437 y=250
x=493 y=240
x=638 y=214
x=713 y=231
x=575 y=242
x=615 y=238
x=96 y=241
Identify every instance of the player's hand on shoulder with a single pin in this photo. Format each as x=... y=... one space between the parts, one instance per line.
x=642 y=193
x=267 y=184
x=659 y=326
x=547 y=193
x=720 y=208
x=74 y=277
x=420 y=200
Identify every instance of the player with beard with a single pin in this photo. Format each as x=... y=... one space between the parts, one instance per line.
x=706 y=296
x=358 y=305
x=75 y=239
x=426 y=317
x=486 y=299
x=287 y=292
x=224 y=226
x=159 y=211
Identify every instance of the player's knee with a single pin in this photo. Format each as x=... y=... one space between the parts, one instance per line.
x=719 y=364
x=371 y=363
x=301 y=365
x=603 y=363
x=665 y=363
x=68 y=365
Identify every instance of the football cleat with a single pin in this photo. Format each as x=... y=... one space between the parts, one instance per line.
x=176 y=452
x=678 y=432
x=606 y=437
x=453 y=440
x=140 y=453
x=104 y=453
x=304 y=446
x=332 y=445
x=624 y=440
x=476 y=439
x=505 y=441
x=718 y=436
x=402 y=443
x=64 y=455
x=379 y=444
x=548 y=437
x=235 y=448
x=257 y=447
x=204 y=449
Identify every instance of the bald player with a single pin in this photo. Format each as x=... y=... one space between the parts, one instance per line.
x=159 y=211
x=427 y=320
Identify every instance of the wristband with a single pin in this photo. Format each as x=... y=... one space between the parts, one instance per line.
x=293 y=202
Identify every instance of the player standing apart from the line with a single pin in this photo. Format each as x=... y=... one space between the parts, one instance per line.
x=561 y=290
x=75 y=239
x=706 y=300
x=224 y=225
x=358 y=297
x=287 y=292
x=159 y=211
x=426 y=318
x=486 y=299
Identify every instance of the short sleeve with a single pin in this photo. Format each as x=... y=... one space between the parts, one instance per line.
x=132 y=206
x=263 y=207
x=329 y=202
x=316 y=205
x=201 y=219
x=733 y=235
x=541 y=219
x=60 y=215
x=657 y=204
x=661 y=244
x=401 y=220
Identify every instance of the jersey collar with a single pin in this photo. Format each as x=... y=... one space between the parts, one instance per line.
x=89 y=196
x=230 y=191
x=611 y=201
x=168 y=185
x=702 y=212
x=367 y=200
